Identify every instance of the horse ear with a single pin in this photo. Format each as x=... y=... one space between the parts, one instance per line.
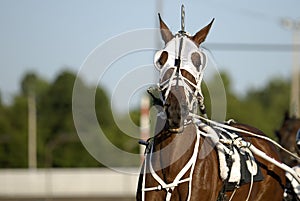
x=200 y=36
x=165 y=31
x=278 y=135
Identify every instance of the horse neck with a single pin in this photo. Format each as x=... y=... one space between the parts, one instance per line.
x=173 y=152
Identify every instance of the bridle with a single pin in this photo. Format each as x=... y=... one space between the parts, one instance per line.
x=180 y=52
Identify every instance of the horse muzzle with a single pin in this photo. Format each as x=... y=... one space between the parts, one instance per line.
x=176 y=117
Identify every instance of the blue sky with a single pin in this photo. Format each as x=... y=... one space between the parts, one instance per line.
x=49 y=36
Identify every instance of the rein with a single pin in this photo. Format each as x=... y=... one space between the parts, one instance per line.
x=210 y=133
x=177 y=60
x=192 y=91
x=246 y=132
x=255 y=150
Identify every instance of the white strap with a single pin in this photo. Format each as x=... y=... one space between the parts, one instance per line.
x=243 y=131
x=162 y=185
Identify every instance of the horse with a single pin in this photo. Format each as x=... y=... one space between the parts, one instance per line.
x=287 y=135
x=182 y=160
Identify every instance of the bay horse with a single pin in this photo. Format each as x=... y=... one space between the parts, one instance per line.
x=287 y=135
x=182 y=160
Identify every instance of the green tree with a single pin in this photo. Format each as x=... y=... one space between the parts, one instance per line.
x=5 y=137
x=262 y=108
x=271 y=102
x=111 y=127
x=57 y=139
x=59 y=144
x=16 y=149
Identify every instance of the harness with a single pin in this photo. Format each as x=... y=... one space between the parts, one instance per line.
x=179 y=50
x=177 y=61
x=162 y=185
x=208 y=131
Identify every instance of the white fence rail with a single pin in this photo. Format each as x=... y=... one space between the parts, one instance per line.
x=95 y=182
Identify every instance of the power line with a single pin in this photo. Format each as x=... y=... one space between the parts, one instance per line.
x=253 y=47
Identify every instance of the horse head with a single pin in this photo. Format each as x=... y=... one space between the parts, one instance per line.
x=181 y=65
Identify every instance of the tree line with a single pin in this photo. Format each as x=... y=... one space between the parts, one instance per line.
x=262 y=107
x=58 y=144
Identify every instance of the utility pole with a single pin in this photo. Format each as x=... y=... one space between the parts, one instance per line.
x=144 y=123
x=32 y=161
x=294 y=27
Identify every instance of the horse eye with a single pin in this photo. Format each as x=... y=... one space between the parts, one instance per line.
x=196 y=60
x=162 y=59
